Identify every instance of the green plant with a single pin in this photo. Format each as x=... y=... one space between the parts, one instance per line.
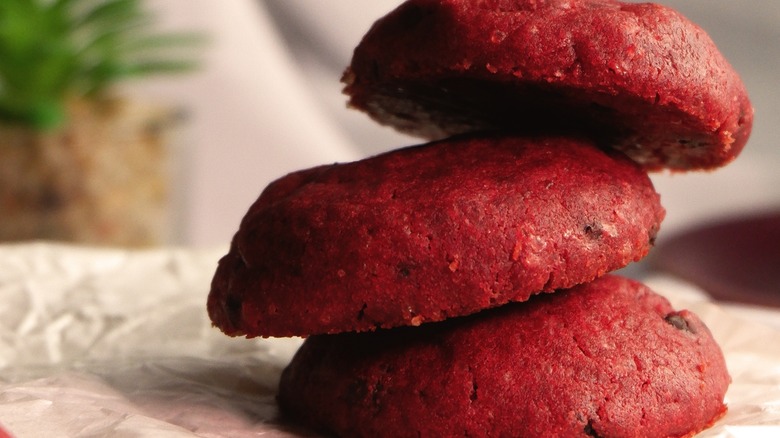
x=53 y=50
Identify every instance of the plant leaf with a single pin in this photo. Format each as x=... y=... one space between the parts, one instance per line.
x=110 y=13
x=51 y=49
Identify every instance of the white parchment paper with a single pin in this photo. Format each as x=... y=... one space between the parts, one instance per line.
x=97 y=342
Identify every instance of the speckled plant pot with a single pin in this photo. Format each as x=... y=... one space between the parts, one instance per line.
x=103 y=179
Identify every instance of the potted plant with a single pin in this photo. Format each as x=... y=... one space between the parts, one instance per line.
x=78 y=161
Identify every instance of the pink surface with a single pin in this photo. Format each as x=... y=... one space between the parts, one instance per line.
x=734 y=260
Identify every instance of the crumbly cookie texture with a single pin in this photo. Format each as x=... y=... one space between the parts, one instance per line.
x=430 y=232
x=605 y=359
x=640 y=77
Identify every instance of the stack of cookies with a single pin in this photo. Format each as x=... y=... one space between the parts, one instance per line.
x=461 y=287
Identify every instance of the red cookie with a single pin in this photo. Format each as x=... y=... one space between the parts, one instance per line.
x=430 y=232
x=639 y=77
x=605 y=359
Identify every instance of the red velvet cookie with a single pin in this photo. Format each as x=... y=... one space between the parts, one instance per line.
x=640 y=77
x=605 y=359
x=430 y=232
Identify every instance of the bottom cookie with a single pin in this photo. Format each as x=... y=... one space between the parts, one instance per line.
x=606 y=359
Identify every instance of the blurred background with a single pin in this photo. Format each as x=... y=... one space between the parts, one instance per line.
x=269 y=102
x=266 y=100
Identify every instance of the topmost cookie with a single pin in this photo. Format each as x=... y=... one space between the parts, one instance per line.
x=640 y=77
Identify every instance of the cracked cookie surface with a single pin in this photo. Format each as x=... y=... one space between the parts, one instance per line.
x=606 y=359
x=639 y=77
x=430 y=232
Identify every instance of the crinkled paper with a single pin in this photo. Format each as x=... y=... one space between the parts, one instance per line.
x=102 y=342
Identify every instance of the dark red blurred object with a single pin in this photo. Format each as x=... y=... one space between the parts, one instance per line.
x=735 y=260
